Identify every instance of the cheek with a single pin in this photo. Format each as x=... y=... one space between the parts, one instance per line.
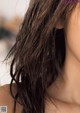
x=73 y=35
x=73 y=43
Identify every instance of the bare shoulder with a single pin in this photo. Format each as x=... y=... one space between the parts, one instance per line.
x=6 y=99
x=5 y=94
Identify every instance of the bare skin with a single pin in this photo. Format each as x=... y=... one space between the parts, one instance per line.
x=65 y=91
x=7 y=100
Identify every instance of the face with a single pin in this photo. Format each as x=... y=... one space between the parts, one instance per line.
x=72 y=31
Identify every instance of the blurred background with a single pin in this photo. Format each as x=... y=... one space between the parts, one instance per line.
x=11 y=16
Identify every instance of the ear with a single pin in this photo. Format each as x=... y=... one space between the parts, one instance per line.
x=59 y=25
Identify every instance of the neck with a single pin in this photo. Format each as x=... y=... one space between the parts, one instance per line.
x=67 y=87
x=71 y=71
x=71 y=77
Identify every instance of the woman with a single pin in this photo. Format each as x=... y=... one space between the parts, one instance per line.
x=46 y=60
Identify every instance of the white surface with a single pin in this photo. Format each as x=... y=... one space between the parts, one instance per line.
x=10 y=8
x=4 y=71
x=4 y=66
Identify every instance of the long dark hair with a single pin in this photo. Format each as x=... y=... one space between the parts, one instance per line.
x=39 y=52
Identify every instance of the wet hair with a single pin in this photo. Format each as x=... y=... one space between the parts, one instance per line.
x=38 y=53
